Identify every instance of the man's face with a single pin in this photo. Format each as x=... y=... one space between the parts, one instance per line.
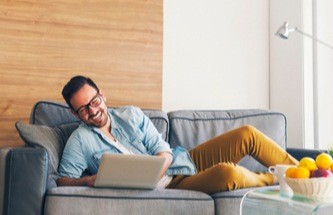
x=90 y=106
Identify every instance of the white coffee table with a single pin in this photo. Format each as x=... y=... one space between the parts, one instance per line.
x=268 y=201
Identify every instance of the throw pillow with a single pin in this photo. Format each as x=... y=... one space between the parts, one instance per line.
x=51 y=139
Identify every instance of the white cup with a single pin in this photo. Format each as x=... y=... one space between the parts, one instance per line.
x=279 y=170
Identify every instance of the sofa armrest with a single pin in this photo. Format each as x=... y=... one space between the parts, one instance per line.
x=23 y=180
x=300 y=153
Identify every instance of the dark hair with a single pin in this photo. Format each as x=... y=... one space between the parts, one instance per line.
x=74 y=85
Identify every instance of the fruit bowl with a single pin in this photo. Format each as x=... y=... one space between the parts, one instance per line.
x=318 y=188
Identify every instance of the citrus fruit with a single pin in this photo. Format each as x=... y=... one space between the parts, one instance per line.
x=290 y=172
x=308 y=163
x=301 y=172
x=324 y=161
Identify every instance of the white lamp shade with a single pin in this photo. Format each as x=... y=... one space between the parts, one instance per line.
x=283 y=31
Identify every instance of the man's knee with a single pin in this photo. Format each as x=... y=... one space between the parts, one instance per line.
x=248 y=129
x=248 y=133
x=225 y=171
x=227 y=176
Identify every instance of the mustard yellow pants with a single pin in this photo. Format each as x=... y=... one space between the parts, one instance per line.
x=216 y=162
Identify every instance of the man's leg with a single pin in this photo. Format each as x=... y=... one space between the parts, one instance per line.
x=215 y=161
x=232 y=146
x=222 y=177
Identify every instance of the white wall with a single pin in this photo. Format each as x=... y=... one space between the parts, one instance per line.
x=324 y=32
x=216 y=54
x=287 y=68
x=222 y=54
x=301 y=71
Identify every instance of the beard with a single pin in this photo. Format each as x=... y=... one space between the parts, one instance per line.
x=99 y=120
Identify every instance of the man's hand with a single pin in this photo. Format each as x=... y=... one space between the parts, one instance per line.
x=167 y=163
x=91 y=180
x=84 y=181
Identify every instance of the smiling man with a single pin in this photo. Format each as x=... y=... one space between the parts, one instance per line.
x=210 y=167
x=114 y=131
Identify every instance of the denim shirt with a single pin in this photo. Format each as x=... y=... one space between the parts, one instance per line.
x=131 y=128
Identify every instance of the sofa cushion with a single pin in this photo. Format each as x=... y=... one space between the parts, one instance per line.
x=51 y=139
x=191 y=128
x=229 y=202
x=55 y=114
x=87 y=200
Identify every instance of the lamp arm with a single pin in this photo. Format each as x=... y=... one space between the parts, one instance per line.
x=315 y=39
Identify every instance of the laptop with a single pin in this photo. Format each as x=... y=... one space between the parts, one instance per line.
x=129 y=171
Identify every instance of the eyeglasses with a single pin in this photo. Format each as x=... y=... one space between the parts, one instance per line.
x=94 y=102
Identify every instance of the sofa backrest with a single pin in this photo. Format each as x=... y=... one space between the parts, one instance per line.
x=191 y=128
x=55 y=114
x=185 y=128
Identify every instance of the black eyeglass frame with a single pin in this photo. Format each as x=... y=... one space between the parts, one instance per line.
x=87 y=106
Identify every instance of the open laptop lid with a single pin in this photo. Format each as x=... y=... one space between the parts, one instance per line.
x=129 y=171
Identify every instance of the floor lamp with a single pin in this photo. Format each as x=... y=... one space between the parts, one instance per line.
x=283 y=32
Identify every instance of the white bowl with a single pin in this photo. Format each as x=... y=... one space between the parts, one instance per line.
x=319 y=188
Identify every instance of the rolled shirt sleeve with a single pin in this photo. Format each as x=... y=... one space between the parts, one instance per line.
x=73 y=162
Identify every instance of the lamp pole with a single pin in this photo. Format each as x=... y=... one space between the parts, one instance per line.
x=315 y=39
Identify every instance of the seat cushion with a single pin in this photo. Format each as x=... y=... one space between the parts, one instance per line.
x=87 y=200
x=229 y=202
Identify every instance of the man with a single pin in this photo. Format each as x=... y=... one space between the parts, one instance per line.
x=210 y=167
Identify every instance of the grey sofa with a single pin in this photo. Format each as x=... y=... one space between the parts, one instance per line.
x=27 y=174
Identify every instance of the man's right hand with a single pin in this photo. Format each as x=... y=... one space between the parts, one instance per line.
x=91 y=180
x=84 y=181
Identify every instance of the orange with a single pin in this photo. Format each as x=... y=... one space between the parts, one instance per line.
x=324 y=161
x=308 y=163
x=332 y=168
x=301 y=172
x=290 y=172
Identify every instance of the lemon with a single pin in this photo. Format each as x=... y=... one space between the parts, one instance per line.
x=324 y=161
x=301 y=172
x=308 y=163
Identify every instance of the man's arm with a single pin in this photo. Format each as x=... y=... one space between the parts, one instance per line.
x=84 y=181
x=167 y=163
